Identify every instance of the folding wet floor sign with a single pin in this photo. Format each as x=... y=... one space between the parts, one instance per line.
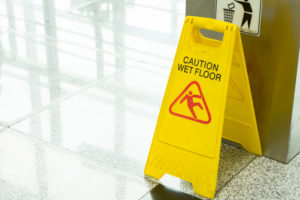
x=207 y=97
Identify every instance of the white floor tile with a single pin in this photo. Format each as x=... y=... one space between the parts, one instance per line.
x=31 y=169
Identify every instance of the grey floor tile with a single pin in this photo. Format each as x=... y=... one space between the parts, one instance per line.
x=114 y=124
x=265 y=179
x=31 y=169
x=232 y=161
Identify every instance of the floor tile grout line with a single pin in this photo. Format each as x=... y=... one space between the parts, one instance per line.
x=237 y=174
x=45 y=107
x=62 y=99
x=152 y=180
x=14 y=122
x=291 y=159
x=147 y=193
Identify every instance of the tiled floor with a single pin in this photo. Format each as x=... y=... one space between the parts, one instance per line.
x=81 y=84
x=40 y=170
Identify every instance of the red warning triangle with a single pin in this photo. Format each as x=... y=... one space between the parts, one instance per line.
x=191 y=104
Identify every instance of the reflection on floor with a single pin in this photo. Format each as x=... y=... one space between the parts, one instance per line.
x=161 y=192
x=81 y=83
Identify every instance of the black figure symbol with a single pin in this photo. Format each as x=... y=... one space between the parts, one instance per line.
x=247 y=12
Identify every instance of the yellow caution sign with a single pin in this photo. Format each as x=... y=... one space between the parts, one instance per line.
x=207 y=96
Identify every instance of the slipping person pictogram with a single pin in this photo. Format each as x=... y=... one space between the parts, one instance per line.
x=247 y=12
x=190 y=102
x=194 y=98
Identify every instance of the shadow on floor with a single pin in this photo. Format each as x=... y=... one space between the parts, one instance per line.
x=161 y=192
